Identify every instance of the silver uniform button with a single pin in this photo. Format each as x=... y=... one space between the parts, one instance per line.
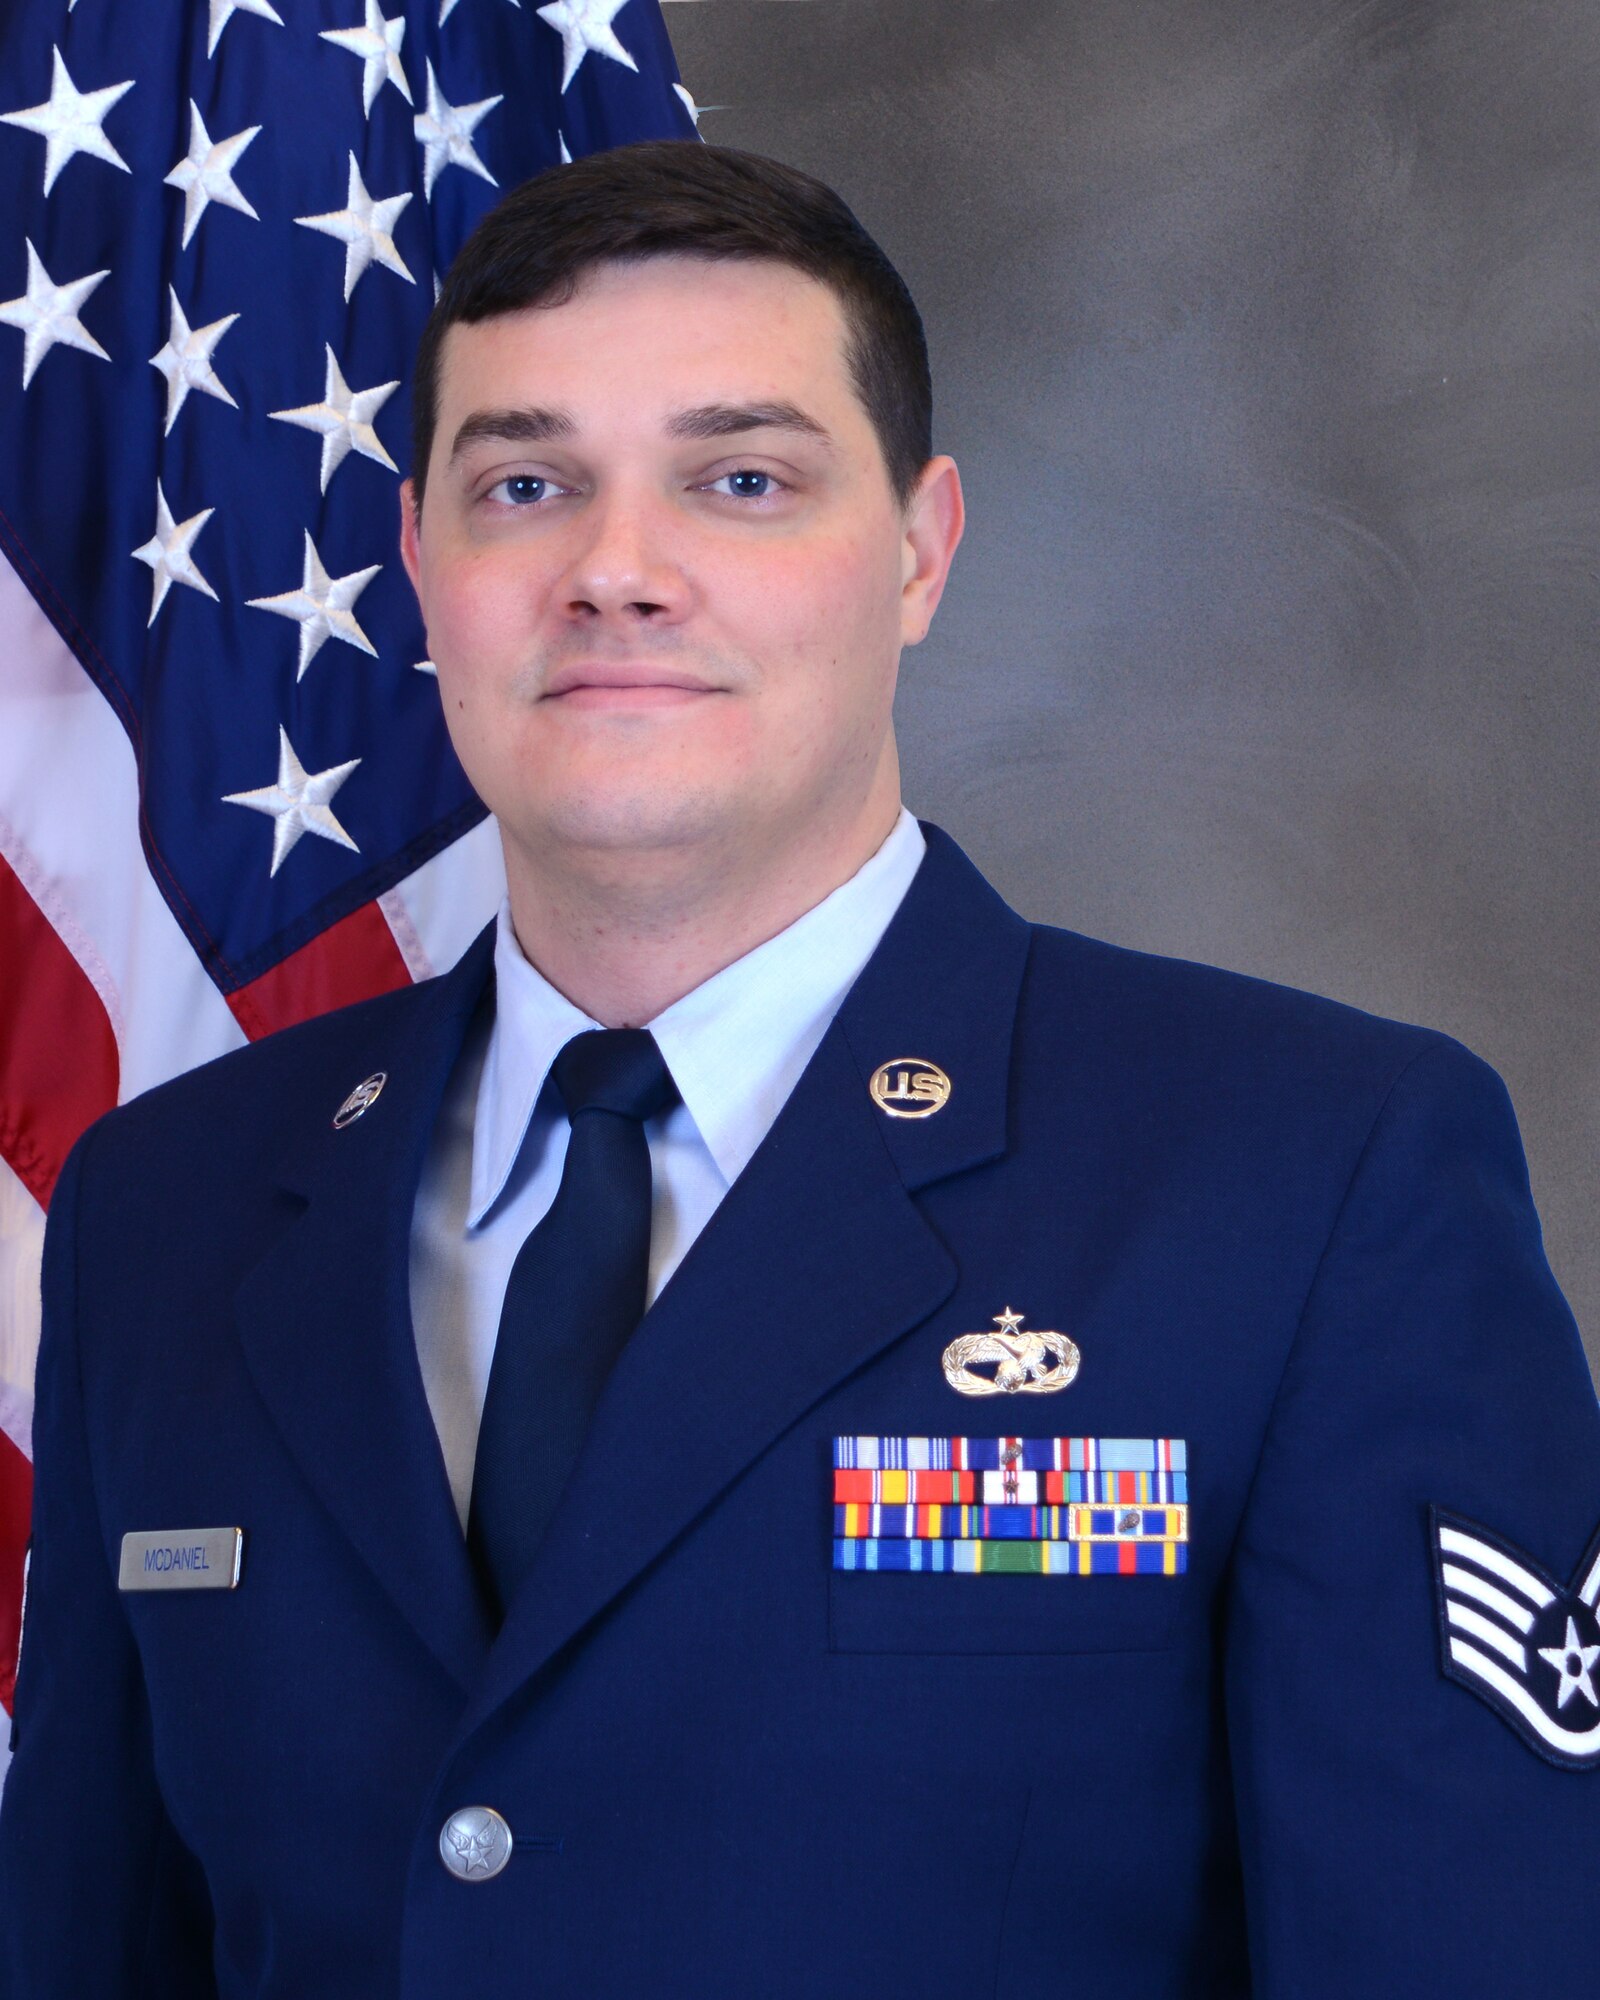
x=475 y=1844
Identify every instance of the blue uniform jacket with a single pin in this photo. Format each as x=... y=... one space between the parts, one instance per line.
x=1293 y=1238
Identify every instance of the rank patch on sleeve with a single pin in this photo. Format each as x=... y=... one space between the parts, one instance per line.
x=1524 y=1643
x=1030 y=1506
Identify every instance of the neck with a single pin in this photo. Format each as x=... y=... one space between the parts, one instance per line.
x=624 y=934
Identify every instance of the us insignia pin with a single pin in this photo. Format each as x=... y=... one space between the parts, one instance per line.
x=1034 y=1364
x=1522 y=1642
x=908 y=1087
x=360 y=1099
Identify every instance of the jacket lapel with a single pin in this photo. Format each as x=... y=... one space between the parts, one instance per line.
x=325 y=1318
x=816 y=1260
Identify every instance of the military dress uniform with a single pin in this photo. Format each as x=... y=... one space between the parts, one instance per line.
x=1107 y=1503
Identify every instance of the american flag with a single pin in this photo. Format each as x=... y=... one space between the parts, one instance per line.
x=227 y=800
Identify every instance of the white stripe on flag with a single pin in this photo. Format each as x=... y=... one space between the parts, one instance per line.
x=1470 y=1549
x=69 y=826
x=438 y=910
x=21 y=1247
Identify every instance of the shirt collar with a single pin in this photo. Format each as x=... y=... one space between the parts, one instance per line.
x=736 y=1045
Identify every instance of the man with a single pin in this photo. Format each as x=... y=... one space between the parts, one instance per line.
x=1100 y=1499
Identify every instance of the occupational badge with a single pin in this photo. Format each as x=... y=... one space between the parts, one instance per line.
x=1034 y=1364
x=1521 y=1641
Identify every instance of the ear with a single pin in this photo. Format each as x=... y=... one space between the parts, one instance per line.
x=934 y=522
x=410 y=536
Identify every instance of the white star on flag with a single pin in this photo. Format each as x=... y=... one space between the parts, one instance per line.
x=205 y=174
x=445 y=132
x=584 y=25
x=377 y=43
x=365 y=227
x=298 y=802
x=223 y=11
x=48 y=313
x=448 y=7
x=69 y=121
x=1574 y=1680
x=167 y=553
x=344 y=419
x=323 y=606
x=186 y=360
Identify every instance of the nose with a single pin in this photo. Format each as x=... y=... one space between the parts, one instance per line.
x=623 y=567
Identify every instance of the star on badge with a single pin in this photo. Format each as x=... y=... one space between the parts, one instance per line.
x=69 y=121
x=298 y=803
x=1575 y=1664
x=47 y=313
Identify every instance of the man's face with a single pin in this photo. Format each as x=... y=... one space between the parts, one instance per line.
x=665 y=580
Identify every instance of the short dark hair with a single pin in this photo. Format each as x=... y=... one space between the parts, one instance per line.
x=665 y=195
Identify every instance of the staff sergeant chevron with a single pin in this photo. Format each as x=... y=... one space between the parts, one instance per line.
x=1525 y=1644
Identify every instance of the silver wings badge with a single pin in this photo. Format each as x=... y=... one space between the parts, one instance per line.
x=1024 y=1363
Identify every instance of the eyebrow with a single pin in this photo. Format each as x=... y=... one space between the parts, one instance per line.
x=531 y=425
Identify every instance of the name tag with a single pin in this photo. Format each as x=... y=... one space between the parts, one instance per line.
x=181 y=1559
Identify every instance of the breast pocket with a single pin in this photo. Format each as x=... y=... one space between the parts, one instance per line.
x=1008 y=1546
x=886 y=1612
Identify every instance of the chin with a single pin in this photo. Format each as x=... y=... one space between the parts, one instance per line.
x=633 y=819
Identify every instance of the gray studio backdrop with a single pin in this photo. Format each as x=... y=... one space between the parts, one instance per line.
x=1265 y=336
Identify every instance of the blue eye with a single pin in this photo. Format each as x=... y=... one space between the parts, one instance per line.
x=763 y=487
x=521 y=490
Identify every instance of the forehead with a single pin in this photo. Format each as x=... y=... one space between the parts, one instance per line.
x=661 y=330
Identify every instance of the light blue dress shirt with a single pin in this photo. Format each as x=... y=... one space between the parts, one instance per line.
x=736 y=1047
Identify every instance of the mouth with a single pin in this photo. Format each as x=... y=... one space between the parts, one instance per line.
x=624 y=686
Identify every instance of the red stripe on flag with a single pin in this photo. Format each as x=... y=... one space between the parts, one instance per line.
x=58 y=1056
x=16 y=1497
x=354 y=959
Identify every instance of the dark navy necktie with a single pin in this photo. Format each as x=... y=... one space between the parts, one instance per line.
x=575 y=1295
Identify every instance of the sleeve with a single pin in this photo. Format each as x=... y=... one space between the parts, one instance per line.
x=97 y=1894
x=1406 y=1825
